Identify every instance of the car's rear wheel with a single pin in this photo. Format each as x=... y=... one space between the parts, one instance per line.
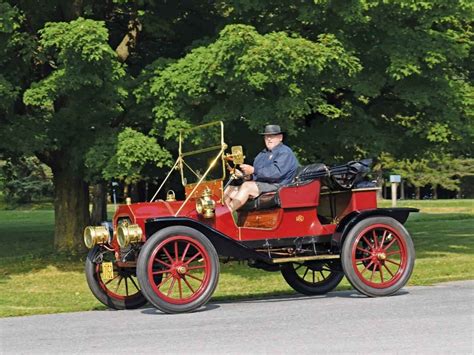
x=119 y=290
x=313 y=277
x=378 y=256
x=188 y=265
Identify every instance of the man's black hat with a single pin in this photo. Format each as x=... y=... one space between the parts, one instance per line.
x=272 y=129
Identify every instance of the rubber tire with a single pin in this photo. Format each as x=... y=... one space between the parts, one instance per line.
x=133 y=302
x=307 y=288
x=346 y=257
x=148 y=249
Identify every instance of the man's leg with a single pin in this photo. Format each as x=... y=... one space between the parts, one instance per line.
x=247 y=189
x=229 y=193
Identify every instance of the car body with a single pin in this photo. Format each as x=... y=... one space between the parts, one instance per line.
x=323 y=226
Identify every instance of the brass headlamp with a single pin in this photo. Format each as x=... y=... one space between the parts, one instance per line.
x=94 y=235
x=205 y=205
x=127 y=235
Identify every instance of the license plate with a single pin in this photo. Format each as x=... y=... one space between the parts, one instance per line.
x=107 y=270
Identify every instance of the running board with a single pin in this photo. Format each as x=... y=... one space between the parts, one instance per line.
x=304 y=258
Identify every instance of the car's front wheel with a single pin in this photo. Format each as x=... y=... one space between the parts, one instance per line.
x=111 y=283
x=188 y=266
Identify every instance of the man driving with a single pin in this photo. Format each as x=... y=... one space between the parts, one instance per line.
x=273 y=167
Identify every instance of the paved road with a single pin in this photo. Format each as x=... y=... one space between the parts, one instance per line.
x=424 y=320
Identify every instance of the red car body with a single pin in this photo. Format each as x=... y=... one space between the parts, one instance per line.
x=167 y=252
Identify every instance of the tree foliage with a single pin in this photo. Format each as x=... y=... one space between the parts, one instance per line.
x=263 y=78
x=25 y=180
x=434 y=169
x=124 y=157
x=99 y=89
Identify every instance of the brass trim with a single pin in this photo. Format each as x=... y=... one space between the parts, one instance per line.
x=170 y=196
x=166 y=178
x=201 y=180
x=304 y=258
x=203 y=150
x=180 y=163
x=205 y=205
x=223 y=147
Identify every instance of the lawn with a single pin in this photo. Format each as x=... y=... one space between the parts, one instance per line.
x=36 y=280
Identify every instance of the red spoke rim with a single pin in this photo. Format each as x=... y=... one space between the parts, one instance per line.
x=370 y=256
x=187 y=275
x=115 y=290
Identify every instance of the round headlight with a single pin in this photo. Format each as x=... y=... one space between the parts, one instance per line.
x=127 y=235
x=95 y=235
x=122 y=236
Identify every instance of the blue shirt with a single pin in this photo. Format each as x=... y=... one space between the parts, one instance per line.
x=277 y=166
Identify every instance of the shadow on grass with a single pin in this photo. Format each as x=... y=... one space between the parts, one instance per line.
x=27 y=240
x=442 y=234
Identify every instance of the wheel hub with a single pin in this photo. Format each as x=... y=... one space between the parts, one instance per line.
x=381 y=256
x=181 y=269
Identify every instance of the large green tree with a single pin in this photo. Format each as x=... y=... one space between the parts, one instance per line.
x=100 y=89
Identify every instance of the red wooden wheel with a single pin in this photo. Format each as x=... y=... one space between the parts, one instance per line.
x=185 y=268
x=378 y=256
x=120 y=292
x=178 y=269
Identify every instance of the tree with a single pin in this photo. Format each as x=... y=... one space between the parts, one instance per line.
x=64 y=88
x=415 y=83
x=435 y=169
x=346 y=79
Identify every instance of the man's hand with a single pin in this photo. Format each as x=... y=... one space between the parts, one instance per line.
x=246 y=169
x=237 y=174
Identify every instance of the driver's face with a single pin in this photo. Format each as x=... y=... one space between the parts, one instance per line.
x=272 y=140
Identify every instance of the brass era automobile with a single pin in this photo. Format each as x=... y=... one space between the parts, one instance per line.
x=322 y=226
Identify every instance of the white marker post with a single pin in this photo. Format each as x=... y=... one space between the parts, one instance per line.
x=395 y=180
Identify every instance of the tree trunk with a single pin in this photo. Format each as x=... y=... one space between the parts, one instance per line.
x=71 y=210
x=72 y=9
x=380 y=183
x=435 y=192
x=417 y=192
x=129 y=41
x=402 y=190
x=134 y=193
x=99 y=203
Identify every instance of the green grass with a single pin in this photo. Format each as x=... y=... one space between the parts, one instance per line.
x=36 y=280
x=434 y=206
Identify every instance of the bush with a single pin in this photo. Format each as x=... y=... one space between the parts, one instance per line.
x=25 y=180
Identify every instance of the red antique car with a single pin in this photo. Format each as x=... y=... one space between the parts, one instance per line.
x=323 y=226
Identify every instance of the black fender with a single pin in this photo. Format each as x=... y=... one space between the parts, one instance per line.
x=225 y=246
x=345 y=225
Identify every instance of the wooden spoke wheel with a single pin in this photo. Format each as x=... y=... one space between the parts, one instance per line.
x=120 y=289
x=378 y=256
x=313 y=277
x=178 y=269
